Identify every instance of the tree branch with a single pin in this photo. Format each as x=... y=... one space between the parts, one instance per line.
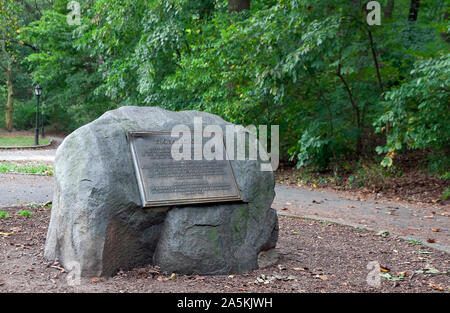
x=350 y=95
x=22 y=43
x=375 y=60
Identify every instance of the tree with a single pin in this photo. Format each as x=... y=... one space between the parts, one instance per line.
x=313 y=67
x=419 y=110
x=65 y=69
x=13 y=16
x=238 y=5
x=9 y=27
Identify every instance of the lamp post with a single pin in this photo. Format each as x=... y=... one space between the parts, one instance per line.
x=42 y=119
x=37 y=92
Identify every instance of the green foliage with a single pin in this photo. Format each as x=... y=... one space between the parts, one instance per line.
x=25 y=213
x=4 y=215
x=446 y=194
x=315 y=68
x=67 y=75
x=24 y=114
x=391 y=277
x=372 y=176
x=414 y=242
x=418 y=110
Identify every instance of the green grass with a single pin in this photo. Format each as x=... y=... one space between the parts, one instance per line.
x=21 y=141
x=26 y=168
x=4 y=214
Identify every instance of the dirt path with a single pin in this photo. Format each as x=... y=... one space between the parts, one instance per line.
x=398 y=218
x=20 y=189
x=406 y=220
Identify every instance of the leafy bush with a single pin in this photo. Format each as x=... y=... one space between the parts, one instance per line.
x=446 y=194
x=418 y=111
x=25 y=115
x=373 y=176
x=313 y=67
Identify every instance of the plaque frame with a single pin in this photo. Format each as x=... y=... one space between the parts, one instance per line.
x=145 y=197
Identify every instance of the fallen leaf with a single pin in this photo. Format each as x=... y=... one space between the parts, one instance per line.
x=383 y=233
x=288 y=203
x=434 y=286
x=299 y=269
x=96 y=279
x=431 y=240
x=6 y=234
x=351 y=207
x=436 y=230
x=284 y=209
x=384 y=269
x=430 y=269
x=1 y=283
x=323 y=277
x=16 y=228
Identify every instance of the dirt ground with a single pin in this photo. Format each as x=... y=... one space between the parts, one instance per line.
x=313 y=257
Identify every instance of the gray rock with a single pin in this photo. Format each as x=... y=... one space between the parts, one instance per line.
x=97 y=219
x=267 y=258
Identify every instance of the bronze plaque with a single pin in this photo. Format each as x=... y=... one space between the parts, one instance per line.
x=165 y=181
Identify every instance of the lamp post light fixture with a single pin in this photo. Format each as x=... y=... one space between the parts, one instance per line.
x=37 y=92
x=42 y=119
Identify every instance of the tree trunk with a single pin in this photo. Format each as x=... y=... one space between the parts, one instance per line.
x=445 y=35
x=206 y=7
x=413 y=10
x=389 y=9
x=10 y=101
x=355 y=106
x=10 y=86
x=238 y=5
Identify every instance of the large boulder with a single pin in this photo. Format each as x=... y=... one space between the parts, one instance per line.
x=98 y=223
